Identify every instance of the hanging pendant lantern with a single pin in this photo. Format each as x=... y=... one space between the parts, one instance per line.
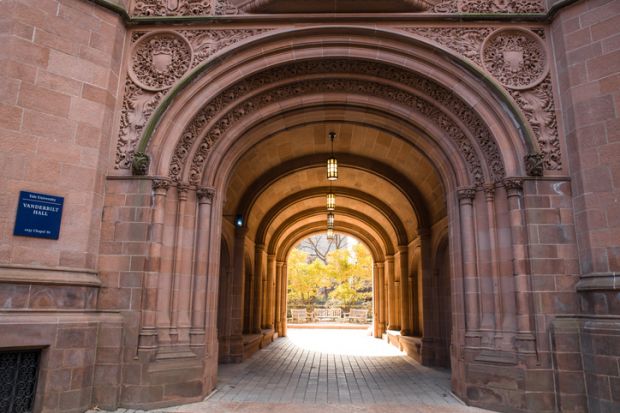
x=331 y=201
x=330 y=220
x=330 y=234
x=332 y=162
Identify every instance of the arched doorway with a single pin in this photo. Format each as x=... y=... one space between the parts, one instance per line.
x=418 y=161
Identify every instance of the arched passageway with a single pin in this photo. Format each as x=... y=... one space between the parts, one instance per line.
x=427 y=151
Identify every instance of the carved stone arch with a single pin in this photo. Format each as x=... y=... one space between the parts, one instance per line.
x=381 y=208
x=506 y=118
x=381 y=234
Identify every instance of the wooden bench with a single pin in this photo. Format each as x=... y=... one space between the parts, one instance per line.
x=299 y=315
x=358 y=315
x=327 y=314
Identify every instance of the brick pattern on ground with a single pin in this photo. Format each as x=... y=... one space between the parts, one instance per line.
x=314 y=378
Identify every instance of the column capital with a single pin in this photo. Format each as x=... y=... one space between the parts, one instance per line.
x=380 y=265
x=161 y=186
x=514 y=186
x=182 y=190
x=466 y=195
x=489 y=192
x=389 y=258
x=205 y=195
x=280 y=263
x=259 y=248
x=403 y=249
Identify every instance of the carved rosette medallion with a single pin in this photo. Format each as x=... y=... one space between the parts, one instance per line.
x=515 y=57
x=159 y=59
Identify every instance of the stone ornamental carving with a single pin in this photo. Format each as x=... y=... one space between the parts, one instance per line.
x=467 y=41
x=159 y=59
x=172 y=8
x=139 y=103
x=175 y=8
x=490 y=6
x=230 y=96
x=539 y=109
x=515 y=57
x=534 y=164
x=536 y=103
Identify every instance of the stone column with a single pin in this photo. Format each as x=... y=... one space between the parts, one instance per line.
x=148 y=332
x=270 y=295
x=393 y=323
x=284 y=298
x=468 y=251
x=278 y=297
x=258 y=289
x=182 y=278
x=489 y=191
x=205 y=200
x=379 y=313
x=165 y=283
x=405 y=304
x=233 y=319
x=514 y=192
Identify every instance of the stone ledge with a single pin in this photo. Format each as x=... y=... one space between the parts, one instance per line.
x=599 y=282
x=25 y=274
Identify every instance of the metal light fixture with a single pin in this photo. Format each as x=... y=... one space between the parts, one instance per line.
x=332 y=162
x=331 y=201
x=330 y=233
x=330 y=220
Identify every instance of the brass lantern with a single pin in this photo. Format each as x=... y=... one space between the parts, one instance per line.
x=331 y=201
x=330 y=220
x=332 y=162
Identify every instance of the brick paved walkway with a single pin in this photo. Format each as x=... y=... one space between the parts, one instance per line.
x=325 y=371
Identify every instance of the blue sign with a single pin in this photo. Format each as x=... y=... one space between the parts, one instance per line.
x=38 y=215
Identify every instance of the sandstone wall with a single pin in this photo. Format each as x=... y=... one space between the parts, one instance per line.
x=586 y=347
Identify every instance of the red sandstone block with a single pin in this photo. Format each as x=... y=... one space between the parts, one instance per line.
x=27 y=52
x=584 y=53
x=10 y=117
x=18 y=70
x=61 y=130
x=605 y=28
x=577 y=39
x=595 y=110
x=76 y=68
x=44 y=100
x=58 y=83
x=9 y=90
x=611 y=44
x=54 y=41
x=604 y=65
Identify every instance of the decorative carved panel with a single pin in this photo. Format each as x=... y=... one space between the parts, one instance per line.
x=159 y=59
x=490 y=6
x=147 y=83
x=174 y=8
x=515 y=57
x=531 y=88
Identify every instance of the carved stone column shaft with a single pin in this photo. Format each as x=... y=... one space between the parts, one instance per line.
x=468 y=247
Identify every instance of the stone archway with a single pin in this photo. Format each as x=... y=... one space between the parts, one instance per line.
x=219 y=133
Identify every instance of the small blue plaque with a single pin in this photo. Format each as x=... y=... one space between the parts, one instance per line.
x=38 y=215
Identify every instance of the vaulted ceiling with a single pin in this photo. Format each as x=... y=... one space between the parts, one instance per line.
x=386 y=190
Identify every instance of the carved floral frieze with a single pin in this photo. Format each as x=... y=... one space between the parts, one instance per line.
x=174 y=8
x=490 y=6
x=159 y=59
x=227 y=109
x=518 y=59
